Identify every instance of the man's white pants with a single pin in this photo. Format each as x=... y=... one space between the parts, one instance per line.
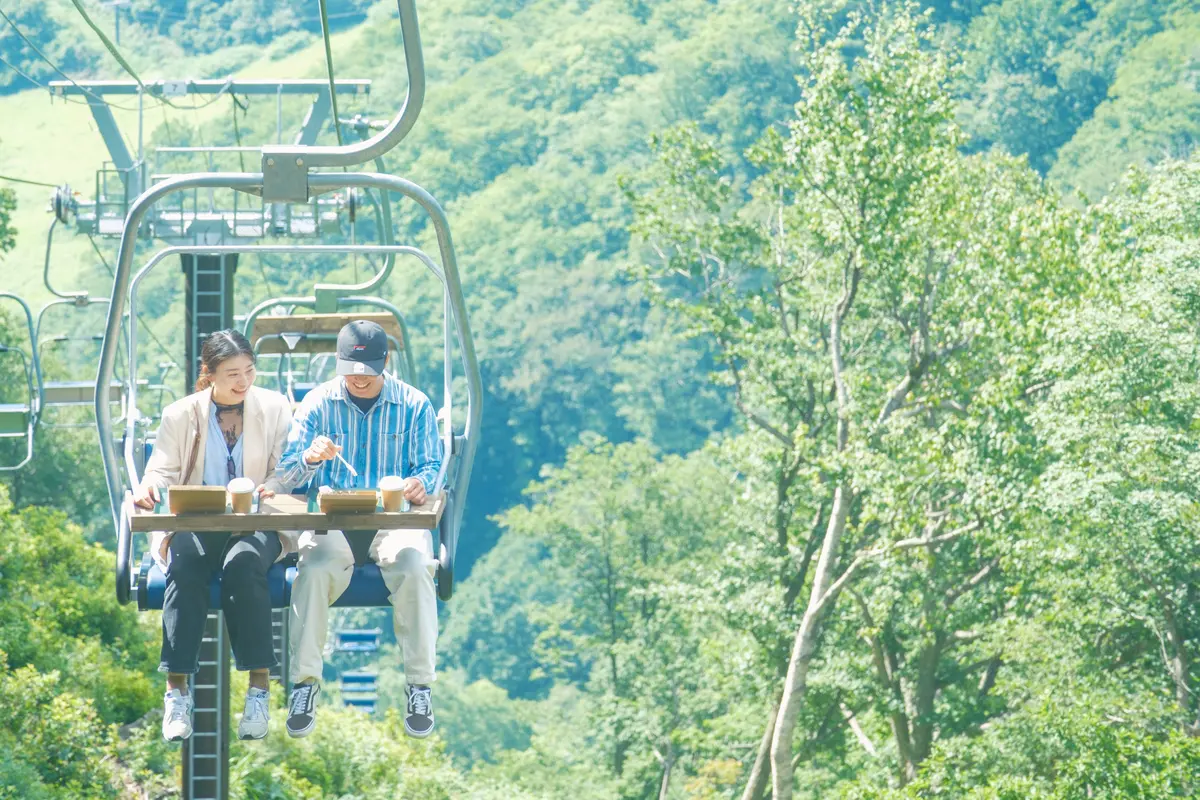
x=405 y=558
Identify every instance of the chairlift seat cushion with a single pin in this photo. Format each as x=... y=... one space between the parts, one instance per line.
x=77 y=393
x=366 y=589
x=14 y=419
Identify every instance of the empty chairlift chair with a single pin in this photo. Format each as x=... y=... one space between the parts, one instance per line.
x=62 y=392
x=314 y=336
x=359 y=690
x=78 y=393
x=358 y=681
x=18 y=418
x=356 y=641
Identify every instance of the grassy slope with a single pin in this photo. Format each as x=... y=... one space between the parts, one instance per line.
x=56 y=142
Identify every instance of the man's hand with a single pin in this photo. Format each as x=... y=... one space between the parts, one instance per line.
x=264 y=493
x=146 y=497
x=322 y=449
x=414 y=491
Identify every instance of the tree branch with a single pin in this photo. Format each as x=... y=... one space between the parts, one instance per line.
x=741 y=405
x=904 y=544
x=976 y=579
x=859 y=734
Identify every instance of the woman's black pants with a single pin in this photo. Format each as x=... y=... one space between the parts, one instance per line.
x=245 y=598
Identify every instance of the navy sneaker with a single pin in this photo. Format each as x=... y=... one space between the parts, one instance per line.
x=418 y=721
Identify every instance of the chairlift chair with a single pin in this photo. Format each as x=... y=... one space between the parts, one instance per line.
x=357 y=682
x=287 y=176
x=367 y=588
x=357 y=641
x=61 y=392
x=314 y=336
x=19 y=420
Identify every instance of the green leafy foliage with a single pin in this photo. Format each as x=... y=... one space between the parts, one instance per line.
x=939 y=425
x=8 y=234
x=72 y=664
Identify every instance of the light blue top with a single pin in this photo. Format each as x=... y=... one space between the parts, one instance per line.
x=398 y=436
x=217 y=453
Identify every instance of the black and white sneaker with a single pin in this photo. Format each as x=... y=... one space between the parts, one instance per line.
x=302 y=710
x=418 y=721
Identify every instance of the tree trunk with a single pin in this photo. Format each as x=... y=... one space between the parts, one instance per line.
x=1178 y=663
x=668 y=763
x=926 y=692
x=927 y=664
x=760 y=773
x=805 y=644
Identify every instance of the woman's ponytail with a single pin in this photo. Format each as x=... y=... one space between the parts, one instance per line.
x=203 y=380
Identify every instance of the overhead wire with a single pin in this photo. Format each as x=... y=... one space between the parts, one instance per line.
x=112 y=49
x=11 y=179
x=115 y=52
x=337 y=124
x=36 y=82
x=337 y=128
x=53 y=66
x=145 y=326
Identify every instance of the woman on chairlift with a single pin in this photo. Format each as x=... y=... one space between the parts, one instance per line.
x=228 y=429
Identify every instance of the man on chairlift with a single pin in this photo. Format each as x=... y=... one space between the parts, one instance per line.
x=349 y=433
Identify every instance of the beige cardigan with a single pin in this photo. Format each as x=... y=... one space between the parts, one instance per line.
x=178 y=456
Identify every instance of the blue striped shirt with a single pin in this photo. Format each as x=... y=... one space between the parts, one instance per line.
x=398 y=436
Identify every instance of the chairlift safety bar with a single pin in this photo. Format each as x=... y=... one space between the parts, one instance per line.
x=122 y=286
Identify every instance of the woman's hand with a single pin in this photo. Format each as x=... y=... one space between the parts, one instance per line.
x=264 y=493
x=414 y=491
x=146 y=497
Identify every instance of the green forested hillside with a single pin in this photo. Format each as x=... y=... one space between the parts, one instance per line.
x=835 y=446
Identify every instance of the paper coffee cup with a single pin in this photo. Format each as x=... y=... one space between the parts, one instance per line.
x=391 y=488
x=241 y=495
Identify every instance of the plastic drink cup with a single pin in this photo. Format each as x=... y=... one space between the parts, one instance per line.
x=241 y=495
x=391 y=488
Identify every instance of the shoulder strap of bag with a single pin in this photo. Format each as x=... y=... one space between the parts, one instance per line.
x=187 y=475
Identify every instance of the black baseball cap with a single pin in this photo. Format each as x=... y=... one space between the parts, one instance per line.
x=362 y=349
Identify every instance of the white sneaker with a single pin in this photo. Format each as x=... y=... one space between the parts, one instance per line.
x=256 y=714
x=177 y=716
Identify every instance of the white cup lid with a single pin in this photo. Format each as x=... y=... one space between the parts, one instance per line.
x=391 y=482
x=241 y=485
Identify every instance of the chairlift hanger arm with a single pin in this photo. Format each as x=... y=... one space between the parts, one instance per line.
x=77 y=297
x=285 y=168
